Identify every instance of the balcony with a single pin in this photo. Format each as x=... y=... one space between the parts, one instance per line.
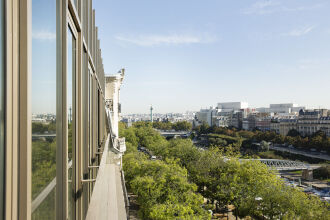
x=109 y=199
x=122 y=145
x=109 y=104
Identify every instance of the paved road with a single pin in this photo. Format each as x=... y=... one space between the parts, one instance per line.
x=300 y=152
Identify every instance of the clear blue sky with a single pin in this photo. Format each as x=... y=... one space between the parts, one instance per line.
x=187 y=54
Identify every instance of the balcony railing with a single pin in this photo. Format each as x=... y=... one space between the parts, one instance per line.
x=115 y=142
x=122 y=145
x=109 y=104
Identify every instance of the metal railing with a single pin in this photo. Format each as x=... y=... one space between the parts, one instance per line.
x=282 y=164
x=127 y=205
x=117 y=143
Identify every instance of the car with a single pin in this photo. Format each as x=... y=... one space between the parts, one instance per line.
x=153 y=157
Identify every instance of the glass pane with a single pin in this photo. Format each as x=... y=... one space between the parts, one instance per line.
x=71 y=115
x=2 y=110
x=85 y=136
x=90 y=130
x=43 y=107
x=42 y=212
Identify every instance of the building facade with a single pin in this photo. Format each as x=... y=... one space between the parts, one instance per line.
x=283 y=108
x=307 y=123
x=53 y=114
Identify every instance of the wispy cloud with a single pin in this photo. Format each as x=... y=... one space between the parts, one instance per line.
x=262 y=7
x=302 y=8
x=272 y=6
x=299 y=31
x=43 y=35
x=169 y=39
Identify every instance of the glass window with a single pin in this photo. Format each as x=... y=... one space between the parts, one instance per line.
x=2 y=111
x=71 y=69
x=85 y=136
x=43 y=108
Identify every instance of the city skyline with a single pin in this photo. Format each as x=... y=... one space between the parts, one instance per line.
x=188 y=54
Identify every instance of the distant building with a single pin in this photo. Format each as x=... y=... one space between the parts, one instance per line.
x=284 y=108
x=206 y=116
x=222 y=121
x=257 y=120
x=307 y=123
x=283 y=126
x=311 y=121
x=232 y=106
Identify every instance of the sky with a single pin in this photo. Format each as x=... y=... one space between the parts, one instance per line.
x=184 y=55
x=187 y=54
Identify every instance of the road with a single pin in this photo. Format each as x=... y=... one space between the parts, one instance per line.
x=300 y=152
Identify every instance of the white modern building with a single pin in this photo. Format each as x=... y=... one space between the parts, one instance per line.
x=283 y=108
x=232 y=106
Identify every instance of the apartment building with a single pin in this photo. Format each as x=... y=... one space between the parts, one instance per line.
x=51 y=71
x=224 y=115
x=307 y=123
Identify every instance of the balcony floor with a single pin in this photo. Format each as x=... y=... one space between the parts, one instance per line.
x=107 y=201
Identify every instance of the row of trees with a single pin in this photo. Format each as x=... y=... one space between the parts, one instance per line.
x=220 y=177
x=40 y=128
x=178 y=126
x=163 y=189
x=162 y=186
x=319 y=140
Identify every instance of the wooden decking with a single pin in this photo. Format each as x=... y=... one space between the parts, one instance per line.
x=107 y=201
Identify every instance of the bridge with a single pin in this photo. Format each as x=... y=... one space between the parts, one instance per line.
x=285 y=164
x=173 y=134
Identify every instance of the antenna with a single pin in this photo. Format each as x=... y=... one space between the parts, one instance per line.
x=151 y=116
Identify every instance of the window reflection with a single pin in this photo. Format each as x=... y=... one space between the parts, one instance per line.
x=71 y=115
x=43 y=107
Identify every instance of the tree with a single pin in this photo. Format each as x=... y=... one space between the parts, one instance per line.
x=164 y=191
x=293 y=133
x=182 y=126
x=162 y=186
x=264 y=146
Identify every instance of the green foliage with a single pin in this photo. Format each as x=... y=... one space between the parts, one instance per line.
x=318 y=140
x=322 y=173
x=162 y=125
x=44 y=168
x=264 y=146
x=40 y=128
x=293 y=133
x=165 y=190
x=182 y=126
x=269 y=155
x=178 y=126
